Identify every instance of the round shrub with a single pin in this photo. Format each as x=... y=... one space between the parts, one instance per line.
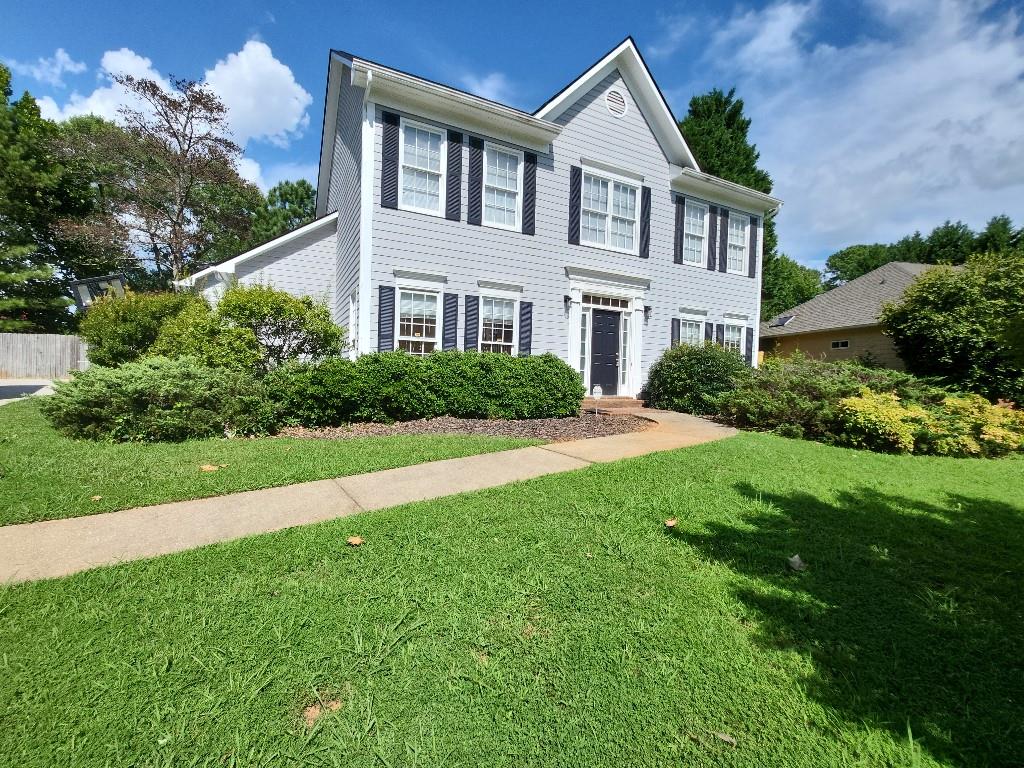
x=692 y=378
x=119 y=330
x=879 y=422
x=159 y=399
x=198 y=332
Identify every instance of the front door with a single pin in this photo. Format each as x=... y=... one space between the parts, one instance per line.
x=604 y=351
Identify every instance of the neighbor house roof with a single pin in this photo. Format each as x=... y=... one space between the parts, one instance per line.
x=855 y=304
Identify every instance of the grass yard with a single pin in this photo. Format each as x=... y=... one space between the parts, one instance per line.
x=44 y=475
x=558 y=622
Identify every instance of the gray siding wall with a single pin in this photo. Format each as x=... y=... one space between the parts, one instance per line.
x=303 y=267
x=465 y=254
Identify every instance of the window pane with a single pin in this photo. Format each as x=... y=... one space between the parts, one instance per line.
x=622 y=233
x=417 y=322
x=595 y=194
x=694 y=222
x=496 y=325
x=593 y=227
x=737 y=243
x=733 y=337
x=624 y=351
x=624 y=204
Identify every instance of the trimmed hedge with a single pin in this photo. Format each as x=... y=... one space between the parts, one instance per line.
x=692 y=378
x=159 y=399
x=395 y=386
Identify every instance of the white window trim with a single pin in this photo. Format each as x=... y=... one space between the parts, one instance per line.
x=443 y=183
x=438 y=325
x=501 y=296
x=746 y=242
x=704 y=243
x=734 y=323
x=490 y=145
x=612 y=179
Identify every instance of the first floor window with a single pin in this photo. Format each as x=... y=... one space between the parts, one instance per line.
x=734 y=337
x=417 y=322
x=584 y=338
x=844 y=344
x=501 y=187
x=695 y=222
x=690 y=332
x=497 y=324
x=422 y=161
x=624 y=350
x=737 y=256
x=608 y=213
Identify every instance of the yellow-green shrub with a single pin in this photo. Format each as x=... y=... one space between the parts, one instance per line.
x=968 y=425
x=879 y=421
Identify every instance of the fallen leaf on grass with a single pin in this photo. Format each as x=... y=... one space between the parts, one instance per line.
x=354 y=541
x=671 y=522
x=313 y=712
x=211 y=467
x=95 y=498
x=796 y=563
x=726 y=738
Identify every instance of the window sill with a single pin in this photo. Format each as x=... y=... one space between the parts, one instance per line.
x=421 y=211
x=609 y=249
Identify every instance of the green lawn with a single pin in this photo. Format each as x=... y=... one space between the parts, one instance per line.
x=44 y=475
x=557 y=622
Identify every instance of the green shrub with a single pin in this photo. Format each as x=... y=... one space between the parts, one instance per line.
x=537 y=387
x=159 y=399
x=692 y=378
x=315 y=395
x=199 y=333
x=119 y=330
x=968 y=425
x=879 y=422
x=287 y=327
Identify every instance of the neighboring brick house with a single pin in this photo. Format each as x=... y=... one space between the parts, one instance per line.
x=585 y=229
x=842 y=324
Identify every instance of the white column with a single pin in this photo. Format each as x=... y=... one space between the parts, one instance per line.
x=636 y=345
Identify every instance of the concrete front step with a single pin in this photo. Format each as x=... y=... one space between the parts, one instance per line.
x=611 y=403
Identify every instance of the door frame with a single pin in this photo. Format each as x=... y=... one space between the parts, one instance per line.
x=633 y=289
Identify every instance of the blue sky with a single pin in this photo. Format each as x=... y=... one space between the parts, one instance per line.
x=875 y=118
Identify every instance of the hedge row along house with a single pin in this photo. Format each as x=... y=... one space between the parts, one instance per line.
x=585 y=229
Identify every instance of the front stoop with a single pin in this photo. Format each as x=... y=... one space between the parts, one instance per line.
x=613 y=404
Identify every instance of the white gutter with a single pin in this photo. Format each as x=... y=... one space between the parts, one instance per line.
x=688 y=177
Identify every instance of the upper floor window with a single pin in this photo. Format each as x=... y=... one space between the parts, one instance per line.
x=417 y=322
x=608 y=216
x=497 y=324
x=695 y=233
x=734 y=337
x=502 y=187
x=422 y=162
x=737 y=254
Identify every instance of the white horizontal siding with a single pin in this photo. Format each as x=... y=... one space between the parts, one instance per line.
x=302 y=267
x=344 y=196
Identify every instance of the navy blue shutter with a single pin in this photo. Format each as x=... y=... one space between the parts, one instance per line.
x=675 y=331
x=472 y=323
x=474 y=207
x=525 y=328
x=709 y=331
x=712 y=236
x=575 y=201
x=386 y=319
x=389 y=162
x=752 y=260
x=529 y=192
x=720 y=335
x=453 y=192
x=749 y=350
x=723 y=239
x=450 y=332
x=645 y=222
x=677 y=244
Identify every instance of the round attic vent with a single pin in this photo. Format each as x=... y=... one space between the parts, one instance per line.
x=616 y=102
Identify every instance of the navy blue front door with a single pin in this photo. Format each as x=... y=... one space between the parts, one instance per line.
x=604 y=351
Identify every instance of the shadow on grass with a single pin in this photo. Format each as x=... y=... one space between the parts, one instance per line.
x=910 y=612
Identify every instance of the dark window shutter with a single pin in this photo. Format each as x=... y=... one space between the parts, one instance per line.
x=723 y=239
x=748 y=351
x=709 y=331
x=712 y=236
x=525 y=328
x=720 y=335
x=472 y=323
x=675 y=331
x=529 y=193
x=752 y=271
x=575 y=201
x=453 y=192
x=645 y=222
x=677 y=244
x=450 y=332
x=386 y=318
x=389 y=162
x=475 y=204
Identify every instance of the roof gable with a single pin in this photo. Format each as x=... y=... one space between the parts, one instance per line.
x=626 y=58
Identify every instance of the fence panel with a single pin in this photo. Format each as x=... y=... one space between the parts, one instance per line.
x=40 y=355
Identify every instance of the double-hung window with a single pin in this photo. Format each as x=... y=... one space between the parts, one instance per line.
x=503 y=191
x=417 y=322
x=691 y=332
x=737 y=252
x=422 y=160
x=497 y=325
x=608 y=215
x=695 y=233
x=734 y=338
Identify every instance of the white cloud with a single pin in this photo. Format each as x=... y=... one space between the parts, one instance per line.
x=494 y=86
x=264 y=100
x=50 y=71
x=675 y=32
x=896 y=131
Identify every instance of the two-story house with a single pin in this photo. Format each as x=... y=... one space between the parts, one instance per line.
x=585 y=229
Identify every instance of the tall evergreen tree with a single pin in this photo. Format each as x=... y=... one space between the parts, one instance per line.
x=786 y=284
x=288 y=206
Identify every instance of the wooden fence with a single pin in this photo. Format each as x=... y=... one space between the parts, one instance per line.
x=40 y=355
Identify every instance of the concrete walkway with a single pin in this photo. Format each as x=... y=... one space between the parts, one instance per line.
x=61 y=547
x=12 y=390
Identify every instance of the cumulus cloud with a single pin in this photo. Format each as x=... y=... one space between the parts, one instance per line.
x=49 y=70
x=494 y=86
x=108 y=97
x=917 y=122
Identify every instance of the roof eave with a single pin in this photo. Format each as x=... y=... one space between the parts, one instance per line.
x=698 y=182
x=773 y=333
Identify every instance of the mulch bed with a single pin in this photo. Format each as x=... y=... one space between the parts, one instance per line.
x=550 y=430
